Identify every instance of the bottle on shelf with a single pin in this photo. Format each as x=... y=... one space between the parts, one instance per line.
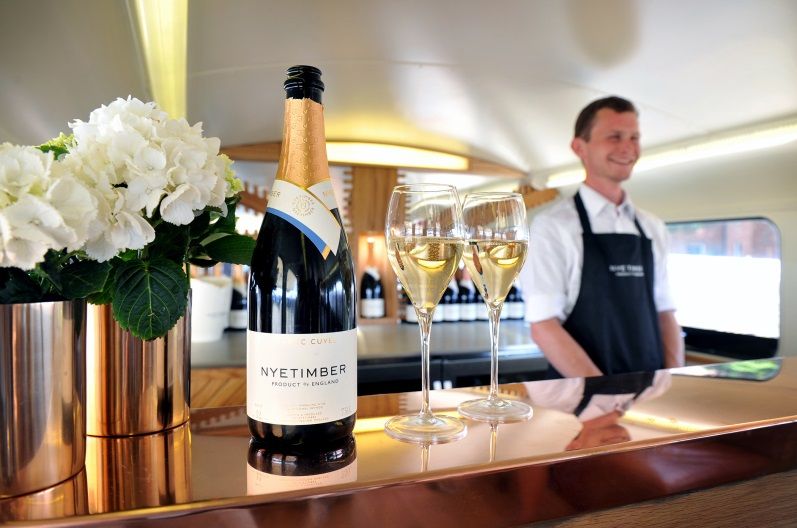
x=239 y=314
x=302 y=338
x=372 y=295
x=271 y=470
x=402 y=313
x=410 y=316
x=450 y=303
x=482 y=313
x=468 y=298
x=437 y=315
x=514 y=304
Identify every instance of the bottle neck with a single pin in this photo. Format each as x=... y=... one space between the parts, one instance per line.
x=303 y=157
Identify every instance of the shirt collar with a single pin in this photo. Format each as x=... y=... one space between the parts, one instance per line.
x=596 y=204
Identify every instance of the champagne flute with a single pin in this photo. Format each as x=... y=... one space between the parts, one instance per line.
x=497 y=239
x=424 y=246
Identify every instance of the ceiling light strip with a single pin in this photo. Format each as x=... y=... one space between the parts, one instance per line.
x=771 y=136
x=163 y=31
x=360 y=153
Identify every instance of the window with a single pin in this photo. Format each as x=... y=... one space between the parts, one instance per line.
x=725 y=277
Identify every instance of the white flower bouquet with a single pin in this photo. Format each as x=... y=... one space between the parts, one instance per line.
x=115 y=213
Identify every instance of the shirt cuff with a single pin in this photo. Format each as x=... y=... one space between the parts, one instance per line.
x=540 y=307
x=664 y=301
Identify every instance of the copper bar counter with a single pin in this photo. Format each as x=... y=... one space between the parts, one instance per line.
x=658 y=436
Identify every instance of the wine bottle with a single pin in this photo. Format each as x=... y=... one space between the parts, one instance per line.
x=482 y=312
x=450 y=303
x=372 y=296
x=410 y=315
x=238 y=310
x=301 y=350
x=514 y=304
x=468 y=300
x=272 y=470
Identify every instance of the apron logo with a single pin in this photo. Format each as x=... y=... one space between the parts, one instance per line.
x=626 y=270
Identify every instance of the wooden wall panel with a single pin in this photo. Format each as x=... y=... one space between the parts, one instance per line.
x=370 y=194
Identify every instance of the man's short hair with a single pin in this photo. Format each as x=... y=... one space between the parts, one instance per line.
x=587 y=116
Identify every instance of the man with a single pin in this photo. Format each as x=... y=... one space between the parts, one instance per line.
x=596 y=278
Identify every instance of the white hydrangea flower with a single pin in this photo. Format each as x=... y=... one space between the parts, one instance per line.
x=42 y=207
x=139 y=162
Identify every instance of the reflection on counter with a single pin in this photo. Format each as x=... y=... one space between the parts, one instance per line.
x=599 y=403
x=511 y=474
x=141 y=471
x=271 y=471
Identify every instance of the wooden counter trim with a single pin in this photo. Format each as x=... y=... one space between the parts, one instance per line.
x=500 y=497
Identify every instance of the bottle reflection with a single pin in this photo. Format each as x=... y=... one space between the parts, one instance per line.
x=139 y=471
x=274 y=470
x=599 y=403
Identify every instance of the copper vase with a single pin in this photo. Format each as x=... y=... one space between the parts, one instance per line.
x=143 y=471
x=42 y=395
x=66 y=499
x=135 y=386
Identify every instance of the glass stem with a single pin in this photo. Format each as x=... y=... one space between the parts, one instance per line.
x=425 y=325
x=495 y=316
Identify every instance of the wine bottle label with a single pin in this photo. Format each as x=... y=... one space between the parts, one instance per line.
x=451 y=312
x=260 y=483
x=515 y=310
x=307 y=213
x=323 y=191
x=239 y=319
x=372 y=308
x=301 y=379
x=467 y=312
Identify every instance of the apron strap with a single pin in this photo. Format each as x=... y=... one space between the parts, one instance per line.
x=582 y=214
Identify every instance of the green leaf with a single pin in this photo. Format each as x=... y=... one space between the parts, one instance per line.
x=149 y=296
x=236 y=249
x=50 y=268
x=226 y=224
x=203 y=261
x=83 y=278
x=58 y=146
x=17 y=287
x=171 y=242
x=199 y=226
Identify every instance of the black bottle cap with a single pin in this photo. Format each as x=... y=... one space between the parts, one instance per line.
x=304 y=82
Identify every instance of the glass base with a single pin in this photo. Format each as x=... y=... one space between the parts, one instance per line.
x=430 y=429
x=495 y=410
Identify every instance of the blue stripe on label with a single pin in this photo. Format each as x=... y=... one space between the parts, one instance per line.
x=315 y=239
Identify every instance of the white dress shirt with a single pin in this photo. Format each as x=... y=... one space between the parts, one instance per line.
x=551 y=277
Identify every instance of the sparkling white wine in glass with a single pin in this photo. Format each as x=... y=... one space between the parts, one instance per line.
x=424 y=266
x=423 y=234
x=494 y=265
x=497 y=241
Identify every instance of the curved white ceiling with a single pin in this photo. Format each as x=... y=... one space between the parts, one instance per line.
x=500 y=80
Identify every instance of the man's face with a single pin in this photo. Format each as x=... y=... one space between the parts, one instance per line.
x=613 y=146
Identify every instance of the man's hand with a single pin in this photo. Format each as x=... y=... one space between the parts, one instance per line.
x=561 y=350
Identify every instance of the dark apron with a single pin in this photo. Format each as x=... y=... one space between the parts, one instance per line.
x=612 y=385
x=615 y=319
